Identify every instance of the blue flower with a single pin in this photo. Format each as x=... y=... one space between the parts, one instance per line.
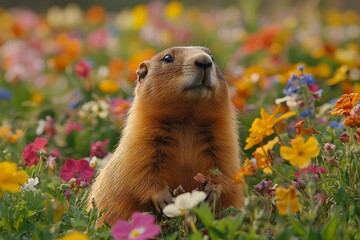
x=5 y=94
x=306 y=113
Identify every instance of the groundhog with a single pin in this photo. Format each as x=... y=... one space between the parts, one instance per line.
x=181 y=123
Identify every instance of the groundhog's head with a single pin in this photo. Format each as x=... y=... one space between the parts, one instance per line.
x=178 y=74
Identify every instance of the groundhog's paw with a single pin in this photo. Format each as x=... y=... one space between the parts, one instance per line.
x=212 y=193
x=161 y=199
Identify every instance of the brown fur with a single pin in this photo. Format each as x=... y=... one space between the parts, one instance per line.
x=169 y=137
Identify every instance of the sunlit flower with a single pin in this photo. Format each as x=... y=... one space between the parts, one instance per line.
x=82 y=69
x=30 y=185
x=31 y=151
x=184 y=203
x=264 y=126
x=11 y=178
x=93 y=109
x=300 y=152
x=286 y=200
x=173 y=9
x=344 y=105
x=141 y=227
x=248 y=169
x=7 y=135
x=108 y=86
x=97 y=148
x=77 y=169
x=352 y=121
x=74 y=236
x=262 y=157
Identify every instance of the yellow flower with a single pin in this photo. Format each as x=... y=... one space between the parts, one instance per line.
x=37 y=97
x=264 y=126
x=300 y=152
x=285 y=198
x=74 y=236
x=173 y=10
x=262 y=157
x=7 y=135
x=247 y=170
x=139 y=16
x=341 y=74
x=108 y=86
x=10 y=178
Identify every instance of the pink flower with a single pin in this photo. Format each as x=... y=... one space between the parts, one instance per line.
x=97 y=149
x=120 y=107
x=72 y=126
x=142 y=226
x=82 y=69
x=30 y=153
x=78 y=169
x=316 y=170
x=97 y=39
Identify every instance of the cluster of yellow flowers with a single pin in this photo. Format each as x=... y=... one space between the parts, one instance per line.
x=11 y=178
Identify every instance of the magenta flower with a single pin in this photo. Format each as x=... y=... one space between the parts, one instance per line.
x=97 y=149
x=142 y=226
x=82 y=69
x=78 y=169
x=30 y=153
x=72 y=126
x=311 y=169
x=97 y=39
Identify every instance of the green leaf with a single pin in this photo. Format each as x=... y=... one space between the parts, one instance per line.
x=329 y=229
x=297 y=226
x=195 y=236
x=204 y=213
x=173 y=237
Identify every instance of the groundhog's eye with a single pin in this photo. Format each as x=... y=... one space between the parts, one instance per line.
x=168 y=59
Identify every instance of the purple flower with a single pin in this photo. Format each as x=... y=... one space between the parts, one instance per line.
x=5 y=94
x=142 y=226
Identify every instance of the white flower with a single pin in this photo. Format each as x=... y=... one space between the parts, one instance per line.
x=291 y=101
x=183 y=203
x=30 y=185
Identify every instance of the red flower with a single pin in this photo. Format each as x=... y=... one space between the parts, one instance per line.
x=82 y=69
x=316 y=170
x=97 y=149
x=30 y=153
x=78 y=169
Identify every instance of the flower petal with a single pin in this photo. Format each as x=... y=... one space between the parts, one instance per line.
x=172 y=210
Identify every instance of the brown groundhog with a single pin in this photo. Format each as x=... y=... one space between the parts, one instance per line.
x=181 y=123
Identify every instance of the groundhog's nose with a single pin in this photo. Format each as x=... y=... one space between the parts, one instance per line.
x=203 y=61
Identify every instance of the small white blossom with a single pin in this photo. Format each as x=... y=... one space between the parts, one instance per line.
x=183 y=203
x=30 y=185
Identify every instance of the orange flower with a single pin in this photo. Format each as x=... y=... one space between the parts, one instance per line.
x=285 y=198
x=352 y=121
x=301 y=131
x=344 y=105
x=96 y=15
x=247 y=170
x=264 y=126
x=7 y=135
x=262 y=157
x=136 y=59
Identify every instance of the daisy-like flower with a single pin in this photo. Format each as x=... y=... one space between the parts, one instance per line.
x=262 y=157
x=264 y=126
x=286 y=199
x=142 y=226
x=11 y=178
x=300 y=152
x=184 y=203
x=78 y=169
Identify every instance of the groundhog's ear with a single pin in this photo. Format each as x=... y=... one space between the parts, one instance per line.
x=142 y=71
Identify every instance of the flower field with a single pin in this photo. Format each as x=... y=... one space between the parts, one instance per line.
x=66 y=83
